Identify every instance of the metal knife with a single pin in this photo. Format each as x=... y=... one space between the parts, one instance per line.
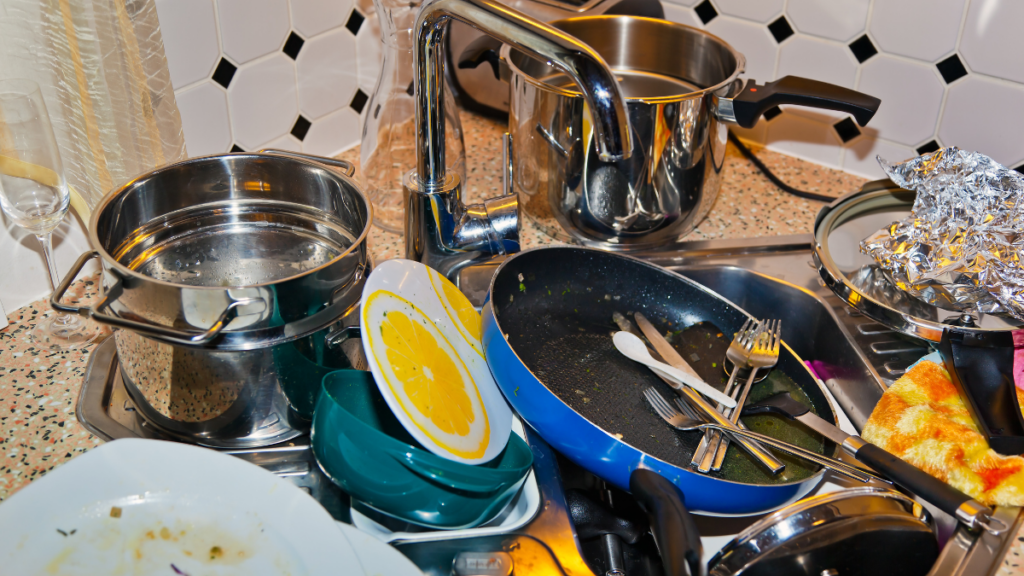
x=672 y=358
x=942 y=495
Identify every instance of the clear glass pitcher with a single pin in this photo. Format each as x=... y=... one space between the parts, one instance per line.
x=389 y=133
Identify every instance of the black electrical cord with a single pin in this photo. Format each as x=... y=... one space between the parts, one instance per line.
x=771 y=176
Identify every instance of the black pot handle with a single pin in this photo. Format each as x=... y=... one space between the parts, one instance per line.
x=981 y=368
x=755 y=100
x=673 y=527
x=483 y=49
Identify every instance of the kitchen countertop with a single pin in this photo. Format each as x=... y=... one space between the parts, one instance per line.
x=39 y=389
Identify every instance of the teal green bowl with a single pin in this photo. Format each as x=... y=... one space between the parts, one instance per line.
x=364 y=449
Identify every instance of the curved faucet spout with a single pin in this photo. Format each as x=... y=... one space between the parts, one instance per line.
x=577 y=60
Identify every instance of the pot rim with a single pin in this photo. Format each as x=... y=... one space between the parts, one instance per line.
x=741 y=61
x=126 y=272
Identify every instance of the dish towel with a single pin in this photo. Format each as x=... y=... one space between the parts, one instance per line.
x=922 y=419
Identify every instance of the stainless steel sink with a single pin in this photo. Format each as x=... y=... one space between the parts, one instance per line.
x=775 y=278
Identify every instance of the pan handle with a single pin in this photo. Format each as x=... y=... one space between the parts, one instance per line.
x=345 y=167
x=754 y=100
x=145 y=328
x=674 y=530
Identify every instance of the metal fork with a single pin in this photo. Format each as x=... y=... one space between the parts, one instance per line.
x=764 y=354
x=677 y=420
x=737 y=353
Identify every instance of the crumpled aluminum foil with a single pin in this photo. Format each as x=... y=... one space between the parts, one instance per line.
x=962 y=244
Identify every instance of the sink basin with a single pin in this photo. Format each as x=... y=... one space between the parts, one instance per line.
x=809 y=326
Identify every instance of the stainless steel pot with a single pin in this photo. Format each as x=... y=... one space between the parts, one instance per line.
x=228 y=276
x=682 y=89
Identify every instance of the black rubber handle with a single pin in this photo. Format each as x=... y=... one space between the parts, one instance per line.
x=673 y=527
x=755 y=100
x=931 y=489
x=593 y=519
x=981 y=368
x=483 y=49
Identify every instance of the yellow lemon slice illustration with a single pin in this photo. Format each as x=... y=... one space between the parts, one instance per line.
x=459 y=309
x=425 y=375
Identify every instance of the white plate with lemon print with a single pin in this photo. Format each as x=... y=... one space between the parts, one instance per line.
x=421 y=336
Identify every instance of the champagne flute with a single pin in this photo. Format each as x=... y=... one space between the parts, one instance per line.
x=34 y=193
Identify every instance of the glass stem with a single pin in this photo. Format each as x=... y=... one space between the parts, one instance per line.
x=51 y=267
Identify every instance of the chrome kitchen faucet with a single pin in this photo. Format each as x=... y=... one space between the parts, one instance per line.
x=441 y=231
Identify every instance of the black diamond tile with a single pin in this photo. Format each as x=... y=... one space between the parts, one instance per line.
x=952 y=69
x=706 y=11
x=236 y=148
x=292 y=45
x=224 y=72
x=301 y=127
x=863 y=48
x=354 y=21
x=358 y=101
x=780 y=29
x=928 y=147
x=1020 y=168
x=772 y=112
x=846 y=129
x=411 y=88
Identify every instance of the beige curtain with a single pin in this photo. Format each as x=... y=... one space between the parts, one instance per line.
x=104 y=77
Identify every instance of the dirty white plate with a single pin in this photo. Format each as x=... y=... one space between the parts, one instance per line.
x=182 y=510
x=377 y=558
x=426 y=323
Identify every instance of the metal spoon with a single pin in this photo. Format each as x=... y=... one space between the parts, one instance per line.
x=635 y=349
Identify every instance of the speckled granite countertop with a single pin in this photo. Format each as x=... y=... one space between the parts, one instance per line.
x=39 y=389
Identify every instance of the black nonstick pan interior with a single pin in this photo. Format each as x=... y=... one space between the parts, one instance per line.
x=555 y=306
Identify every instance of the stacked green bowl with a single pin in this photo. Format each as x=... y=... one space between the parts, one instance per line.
x=364 y=449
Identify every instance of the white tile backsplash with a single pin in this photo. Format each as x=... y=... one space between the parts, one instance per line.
x=754 y=41
x=763 y=11
x=860 y=155
x=987 y=115
x=204 y=118
x=189 y=30
x=252 y=28
x=298 y=73
x=312 y=17
x=841 y=20
x=992 y=42
x=911 y=94
x=893 y=21
x=333 y=132
x=807 y=138
x=262 y=101
x=327 y=81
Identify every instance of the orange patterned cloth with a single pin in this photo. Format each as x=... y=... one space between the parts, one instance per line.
x=923 y=420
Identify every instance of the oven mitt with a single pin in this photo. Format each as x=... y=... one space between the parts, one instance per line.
x=922 y=419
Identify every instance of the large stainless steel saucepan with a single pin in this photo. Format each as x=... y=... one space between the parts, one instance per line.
x=682 y=89
x=226 y=276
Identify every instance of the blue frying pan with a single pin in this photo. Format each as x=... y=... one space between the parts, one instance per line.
x=546 y=328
